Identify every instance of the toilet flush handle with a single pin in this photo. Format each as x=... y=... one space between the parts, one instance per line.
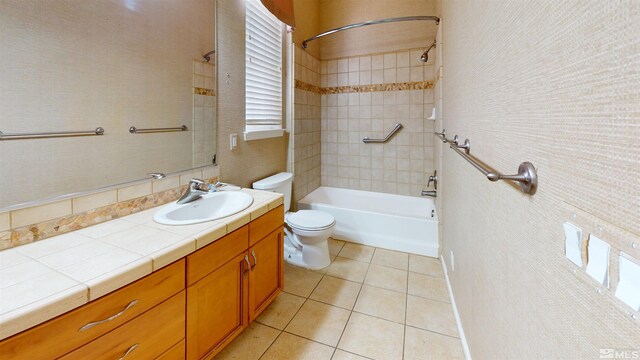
x=255 y=260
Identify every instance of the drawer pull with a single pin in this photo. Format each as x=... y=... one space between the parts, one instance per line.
x=112 y=317
x=129 y=351
x=246 y=258
x=255 y=260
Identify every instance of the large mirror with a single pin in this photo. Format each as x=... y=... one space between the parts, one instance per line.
x=71 y=65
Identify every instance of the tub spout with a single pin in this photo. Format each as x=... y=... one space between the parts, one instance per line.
x=428 y=193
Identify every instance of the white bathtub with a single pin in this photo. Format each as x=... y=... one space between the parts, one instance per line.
x=394 y=222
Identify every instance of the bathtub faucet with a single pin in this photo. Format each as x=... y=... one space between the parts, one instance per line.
x=428 y=193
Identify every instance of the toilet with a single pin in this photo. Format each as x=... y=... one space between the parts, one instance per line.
x=307 y=231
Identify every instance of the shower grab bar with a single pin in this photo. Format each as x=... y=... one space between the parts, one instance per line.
x=135 y=130
x=52 y=134
x=370 y=22
x=526 y=177
x=397 y=128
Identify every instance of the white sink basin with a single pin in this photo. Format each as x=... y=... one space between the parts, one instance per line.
x=210 y=207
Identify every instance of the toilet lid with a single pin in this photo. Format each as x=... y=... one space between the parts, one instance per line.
x=310 y=220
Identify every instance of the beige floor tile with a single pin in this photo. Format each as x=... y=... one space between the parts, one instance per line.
x=250 y=344
x=291 y=347
x=393 y=259
x=425 y=345
x=388 y=278
x=299 y=281
x=431 y=315
x=337 y=292
x=343 y=355
x=335 y=246
x=372 y=337
x=428 y=287
x=382 y=303
x=425 y=265
x=281 y=311
x=357 y=252
x=319 y=322
x=348 y=269
x=324 y=269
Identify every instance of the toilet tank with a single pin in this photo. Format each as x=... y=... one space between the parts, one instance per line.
x=280 y=183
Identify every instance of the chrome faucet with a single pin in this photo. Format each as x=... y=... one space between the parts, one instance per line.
x=194 y=191
x=428 y=193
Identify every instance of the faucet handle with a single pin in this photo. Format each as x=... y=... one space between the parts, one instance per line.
x=196 y=183
x=433 y=178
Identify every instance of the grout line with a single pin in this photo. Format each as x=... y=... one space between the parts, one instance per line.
x=433 y=331
x=351 y=312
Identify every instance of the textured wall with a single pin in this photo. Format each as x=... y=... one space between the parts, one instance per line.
x=554 y=83
x=402 y=165
x=76 y=65
x=251 y=160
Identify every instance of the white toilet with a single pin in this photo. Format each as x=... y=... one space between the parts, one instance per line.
x=305 y=241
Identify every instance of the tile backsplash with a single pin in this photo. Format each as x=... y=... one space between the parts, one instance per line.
x=40 y=221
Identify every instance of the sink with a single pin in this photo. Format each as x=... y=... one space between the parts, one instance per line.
x=210 y=207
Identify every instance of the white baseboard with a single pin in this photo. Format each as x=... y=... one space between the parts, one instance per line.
x=463 y=338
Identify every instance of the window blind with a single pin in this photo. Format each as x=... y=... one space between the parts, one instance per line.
x=264 y=66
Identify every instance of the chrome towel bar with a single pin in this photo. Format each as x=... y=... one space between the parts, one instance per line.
x=526 y=177
x=397 y=128
x=53 y=134
x=135 y=130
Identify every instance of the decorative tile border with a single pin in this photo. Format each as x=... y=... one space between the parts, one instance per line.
x=203 y=91
x=46 y=229
x=418 y=85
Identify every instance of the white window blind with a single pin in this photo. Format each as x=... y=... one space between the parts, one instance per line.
x=264 y=68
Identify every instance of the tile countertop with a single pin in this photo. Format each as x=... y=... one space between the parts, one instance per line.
x=42 y=280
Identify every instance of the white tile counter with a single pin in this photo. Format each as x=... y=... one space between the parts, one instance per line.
x=47 y=278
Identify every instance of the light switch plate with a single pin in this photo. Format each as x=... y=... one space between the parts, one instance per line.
x=573 y=243
x=233 y=141
x=628 y=290
x=598 y=266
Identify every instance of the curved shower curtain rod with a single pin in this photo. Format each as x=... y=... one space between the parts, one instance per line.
x=370 y=22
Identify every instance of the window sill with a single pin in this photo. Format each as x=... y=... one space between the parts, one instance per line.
x=262 y=134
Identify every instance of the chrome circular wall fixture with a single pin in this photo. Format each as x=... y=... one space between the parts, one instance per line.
x=425 y=55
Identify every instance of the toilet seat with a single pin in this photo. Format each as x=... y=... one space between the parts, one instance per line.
x=310 y=220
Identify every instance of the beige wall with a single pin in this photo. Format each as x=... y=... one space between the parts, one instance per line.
x=70 y=65
x=252 y=160
x=307 y=13
x=374 y=38
x=554 y=83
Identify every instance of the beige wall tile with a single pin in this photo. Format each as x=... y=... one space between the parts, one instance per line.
x=210 y=172
x=186 y=177
x=170 y=182
x=40 y=213
x=134 y=191
x=93 y=201
x=5 y=221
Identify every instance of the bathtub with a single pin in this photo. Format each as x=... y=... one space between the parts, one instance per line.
x=395 y=222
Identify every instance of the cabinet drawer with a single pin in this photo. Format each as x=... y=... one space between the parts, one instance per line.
x=177 y=352
x=76 y=328
x=214 y=255
x=145 y=337
x=265 y=224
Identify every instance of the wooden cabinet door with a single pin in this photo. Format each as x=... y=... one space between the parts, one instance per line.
x=217 y=308
x=266 y=278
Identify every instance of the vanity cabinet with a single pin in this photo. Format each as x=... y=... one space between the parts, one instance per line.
x=230 y=282
x=189 y=309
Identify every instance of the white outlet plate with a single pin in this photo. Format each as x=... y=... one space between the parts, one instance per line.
x=233 y=141
x=452 y=261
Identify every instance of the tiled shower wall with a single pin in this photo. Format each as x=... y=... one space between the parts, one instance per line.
x=366 y=96
x=306 y=125
x=204 y=116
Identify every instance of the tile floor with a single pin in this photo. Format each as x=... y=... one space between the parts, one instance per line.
x=370 y=303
